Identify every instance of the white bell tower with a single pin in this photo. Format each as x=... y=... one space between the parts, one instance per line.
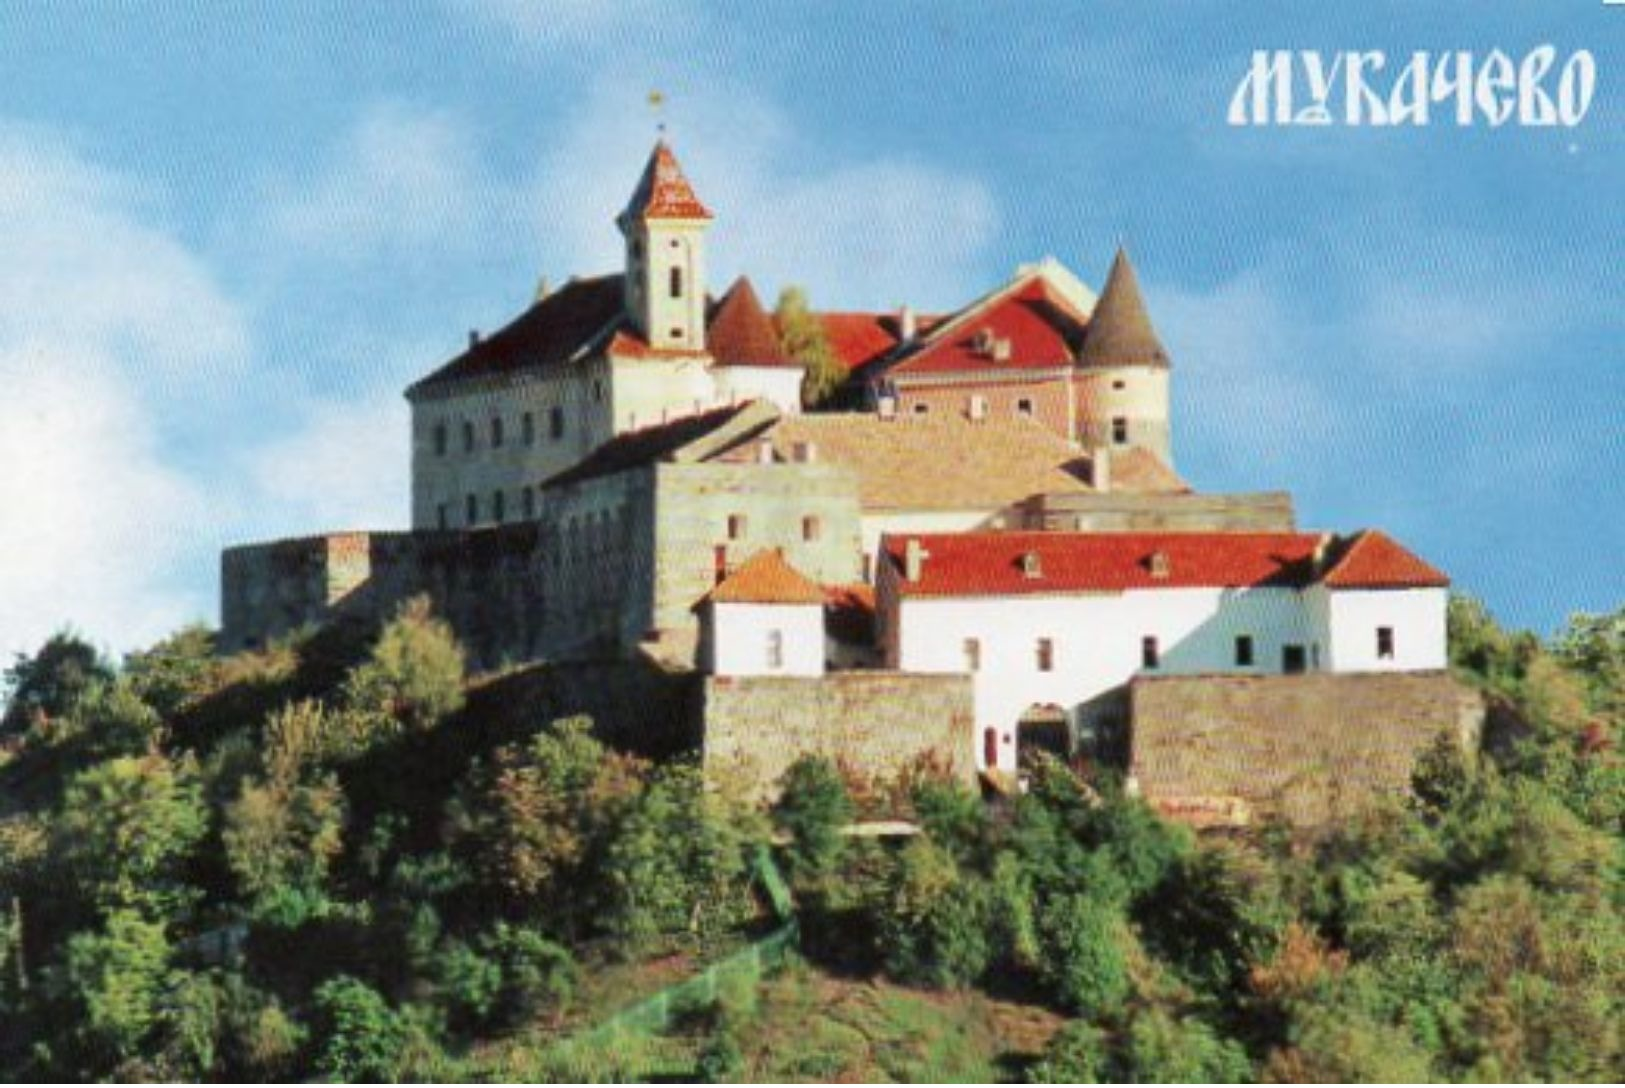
x=664 y=225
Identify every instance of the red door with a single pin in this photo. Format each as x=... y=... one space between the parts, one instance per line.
x=990 y=747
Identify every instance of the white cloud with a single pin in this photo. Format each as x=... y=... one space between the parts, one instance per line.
x=102 y=318
x=573 y=22
x=346 y=466
x=400 y=182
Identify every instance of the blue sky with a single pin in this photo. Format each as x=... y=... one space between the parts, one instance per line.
x=234 y=232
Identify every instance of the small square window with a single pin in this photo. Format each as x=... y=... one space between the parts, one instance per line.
x=1119 y=384
x=811 y=528
x=1150 y=652
x=468 y=437
x=1292 y=659
x=1385 y=643
x=1024 y=406
x=496 y=433
x=499 y=506
x=1244 y=650
x=973 y=654
x=921 y=408
x=1119 y=430
x=1046 y=655
x=527 y=426
x=676 y=333
x=555 y=422
x=736 y=526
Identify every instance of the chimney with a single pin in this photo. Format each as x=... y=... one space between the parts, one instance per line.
x=1160 y=566
x=1031 y=565
x=1323 y=548
x=914 y=557
x=543 y=289
x=1100 y=468
x=887 y=407
x=907 y=324
x=473 y=338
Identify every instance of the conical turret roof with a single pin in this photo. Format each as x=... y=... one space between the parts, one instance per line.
x=1120 y=332
x=663 y=192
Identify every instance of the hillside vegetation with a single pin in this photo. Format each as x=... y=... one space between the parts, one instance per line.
x=325 y=860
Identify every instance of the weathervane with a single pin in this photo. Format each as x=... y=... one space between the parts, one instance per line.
x=656 y=101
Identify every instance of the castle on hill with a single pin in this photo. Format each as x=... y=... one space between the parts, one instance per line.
x=987 y=555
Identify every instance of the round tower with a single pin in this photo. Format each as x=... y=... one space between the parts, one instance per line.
x=664 y=225
x=1122 y=372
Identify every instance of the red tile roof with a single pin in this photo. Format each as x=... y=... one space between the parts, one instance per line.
x=859 y=339
x=663 y=192
x=1042 y=330
x=1376 y=561
x=767 y=578
x=994 y=563
x=740 y=333
x=548 y=334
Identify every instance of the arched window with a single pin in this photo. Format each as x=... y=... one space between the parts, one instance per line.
x=676 y=282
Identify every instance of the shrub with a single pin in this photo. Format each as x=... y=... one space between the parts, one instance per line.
x=812 y=809
x=357 y=1036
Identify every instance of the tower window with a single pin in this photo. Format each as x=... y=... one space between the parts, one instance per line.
x=1244 y=650
x=555 y=422
x=499 y=506
x=527 y=426
x=1119 y=430
x=676 y=333
x=676 y=283
x=1385 y=643
x=1046 y=655
x=440 y=440
x=471 y=507
x=1119 y=384
x=1150 y=652
x=468 y=437
x=972 y=649
x=811 y=528
x=736 y=526
x=496 y=433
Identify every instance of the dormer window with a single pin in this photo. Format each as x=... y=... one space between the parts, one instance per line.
x=1031 y=565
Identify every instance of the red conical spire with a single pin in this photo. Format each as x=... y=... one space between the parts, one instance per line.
x=663 y=192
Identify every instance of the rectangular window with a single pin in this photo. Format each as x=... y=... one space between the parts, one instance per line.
x=1046 y=655
x=1150 y=652
x=973 y=655
x=528 y=498
x=499 y=506
x=527 y=425
x=472 y=508
x=1385 y=643
x=468 y=437
x=736 y=526
x=920 y=408
x=811 y=528
x=555 y=422
x=1119 y=430
x=496 y=433
x=1292 y=659
x=440 y=440
x=676 y=282
x=775 y=649
x=1244 y=650
x=1024 y=406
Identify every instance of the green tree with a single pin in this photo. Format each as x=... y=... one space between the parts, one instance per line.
x=938 y=926
x=812 y=809
x=805 y=341
x=125 y=830
x=1077 y=1054
x=112 y=982
x=1084 y=953
x=414 y=675
x=282 y=836
x=356 y=1035
x=49 y=684
x=1162 y=1048
x=173 y=671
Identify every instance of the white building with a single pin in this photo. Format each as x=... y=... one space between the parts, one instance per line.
x=764 y=619
x=1051 y=623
